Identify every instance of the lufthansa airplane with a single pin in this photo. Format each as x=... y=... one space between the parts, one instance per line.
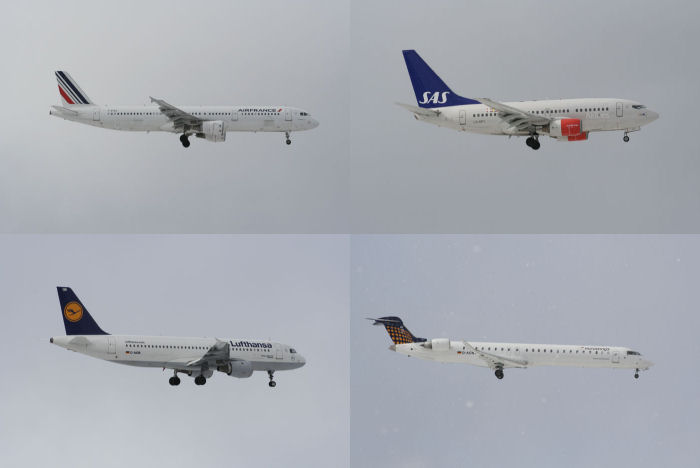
x=196 y=357
x=208 y=122
x=563 y=119
x=498 y=356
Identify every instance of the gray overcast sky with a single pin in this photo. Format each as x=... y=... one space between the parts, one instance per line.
x=626 y=291
x=409 y=176
x=59 y=176
x=64 y=409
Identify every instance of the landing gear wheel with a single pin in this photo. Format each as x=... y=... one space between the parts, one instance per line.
x=174 y=381
x=533 y=143
x=625 y=138
x=499 y=374
x=636 y=373
x=200 y=380
x=272 y=382
x=184 y=140
x=288 y=141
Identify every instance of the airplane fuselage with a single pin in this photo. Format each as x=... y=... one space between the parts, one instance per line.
x=151 y=119
x=176 y=352
x=596 y=115
x=528 y=355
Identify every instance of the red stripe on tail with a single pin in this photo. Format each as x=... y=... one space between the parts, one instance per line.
x=65 y=96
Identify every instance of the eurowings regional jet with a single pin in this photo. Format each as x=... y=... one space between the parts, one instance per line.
x=195 y=357
x=563 y=119
x=208 y=122
x=499 y=356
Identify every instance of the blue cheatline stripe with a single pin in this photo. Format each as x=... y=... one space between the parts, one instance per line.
x=65 y=87
x=84 y=101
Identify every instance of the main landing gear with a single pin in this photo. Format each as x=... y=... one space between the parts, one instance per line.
x=533 y=142
x=499 y=373
x=636 y=373
x=200 y=380
x=272 y=382
x=626 y=138
x=289 y=142
x=174 y=380
x=185 y=140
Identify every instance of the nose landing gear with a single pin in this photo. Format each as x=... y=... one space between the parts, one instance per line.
x=185 y=140
x=272 y=383
x=286 y=134
x=533 y=142
x=499 y=373
x=626 y=138
x=636 y=373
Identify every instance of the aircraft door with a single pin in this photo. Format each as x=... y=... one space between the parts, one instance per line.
x=111 y=345
x=278 y=352
x=288 y=115
x=619 y=109
x=615 y=358
x=96 y=114
x=234 y=115
x=463 y=117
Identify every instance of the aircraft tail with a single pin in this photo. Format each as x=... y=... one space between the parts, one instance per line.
x=430 y=90
x=397 y=331
x=71 y=93
x=76 y=317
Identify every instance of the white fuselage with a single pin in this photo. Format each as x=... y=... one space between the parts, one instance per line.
x=596 y=115
x=175 y=352
x=529 y=355
x=151 y=119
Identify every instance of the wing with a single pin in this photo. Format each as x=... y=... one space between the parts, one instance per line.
x=217 y=354
x=494 y=361
x=518 y=120
x=419 y=110
x=181 y=120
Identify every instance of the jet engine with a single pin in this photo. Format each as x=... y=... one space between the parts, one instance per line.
x=240 y=369
x=565 y=128
x=213 y=130
x=440 y=344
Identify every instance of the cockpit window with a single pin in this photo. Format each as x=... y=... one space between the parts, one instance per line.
x=633 y=353
x=303 y=113
x=639 y=106
x=292 y=350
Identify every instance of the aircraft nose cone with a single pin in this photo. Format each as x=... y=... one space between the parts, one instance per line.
x=302 y=361
x=653 y=115
x=314 y=123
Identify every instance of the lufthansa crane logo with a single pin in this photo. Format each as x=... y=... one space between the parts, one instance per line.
x=73 y=312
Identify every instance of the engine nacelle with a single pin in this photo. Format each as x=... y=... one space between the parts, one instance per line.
x=440 y=344
x=240 y=369
x=565 y=128
x=579 y=137
x=213 y=130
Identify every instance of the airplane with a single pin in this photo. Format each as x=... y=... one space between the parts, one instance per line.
x=208 y=122
x=563 y=119
x=195 y=357
x=499 y=356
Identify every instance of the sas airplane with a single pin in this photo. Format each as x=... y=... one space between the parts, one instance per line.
x=563 y=119
x=195 y=357
x=498 y=356
x=208 y=122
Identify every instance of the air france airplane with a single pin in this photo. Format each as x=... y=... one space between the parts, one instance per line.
x=563 y=119
x=209 y=122
x=195 y=357
x=498 y=356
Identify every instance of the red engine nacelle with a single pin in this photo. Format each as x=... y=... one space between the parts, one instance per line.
x=565 y=128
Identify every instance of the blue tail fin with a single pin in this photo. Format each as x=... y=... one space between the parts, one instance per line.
x=398 y=333
x=430 y=90
x=76 y=317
